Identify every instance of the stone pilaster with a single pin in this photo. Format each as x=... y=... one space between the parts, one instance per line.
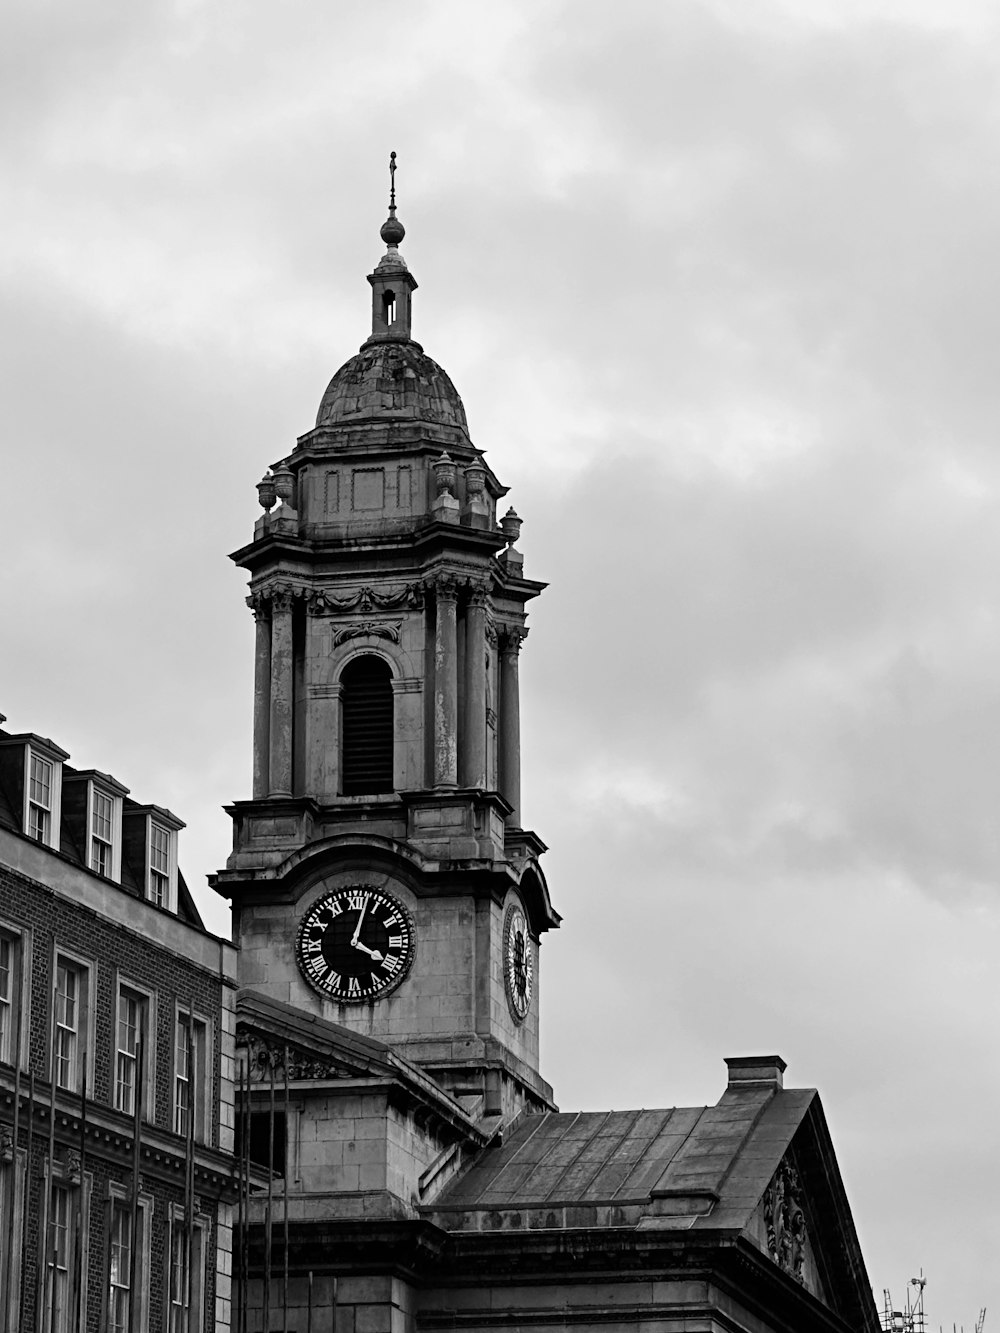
x=511 y=639
x=445 y=685
x=261 y=696
x=474 y=736
x=281 y=695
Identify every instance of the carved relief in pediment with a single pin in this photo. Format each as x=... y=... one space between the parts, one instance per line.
x=785 y=1221
x=265 y=1055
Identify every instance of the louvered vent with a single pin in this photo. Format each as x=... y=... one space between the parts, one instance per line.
x=366 y=700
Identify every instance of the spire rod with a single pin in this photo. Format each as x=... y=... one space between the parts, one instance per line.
x=392 y=182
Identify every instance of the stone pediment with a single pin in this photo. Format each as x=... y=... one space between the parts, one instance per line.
x=281 y=1040
x=267 y=1055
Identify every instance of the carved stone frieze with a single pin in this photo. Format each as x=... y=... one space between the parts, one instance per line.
x=785 y=1221
x=378 y=629
x=367 y=599
x=265 y=1054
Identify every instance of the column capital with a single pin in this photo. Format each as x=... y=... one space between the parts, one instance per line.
x=478 y=591
x=511 y=637
x=446 y=587
x=260 y=604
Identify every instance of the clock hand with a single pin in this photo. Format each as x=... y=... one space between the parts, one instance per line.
x=372 y=953
x=357 y=929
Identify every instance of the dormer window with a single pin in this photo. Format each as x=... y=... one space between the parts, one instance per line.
x=40 y=793
x=162 y=862
x=105 y=832
x=42 y=788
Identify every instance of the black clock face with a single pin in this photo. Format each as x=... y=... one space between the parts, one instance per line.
x=355 y=944
x=518 y=964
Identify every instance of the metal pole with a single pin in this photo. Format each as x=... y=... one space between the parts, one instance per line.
x=284 y=1280
x=26 y=1205
x=240 y=1216
x=43 y=1248
x=309 y=1309
x=333 y=1308
x=270 y=1201
x=78 y=1247
x=189 y=1171
x=13 y=1177
x=136 y=1162
x=245 y=1238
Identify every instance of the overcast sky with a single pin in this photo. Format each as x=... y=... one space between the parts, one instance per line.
x=719 y=285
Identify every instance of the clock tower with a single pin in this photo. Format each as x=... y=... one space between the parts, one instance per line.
x=382 y=882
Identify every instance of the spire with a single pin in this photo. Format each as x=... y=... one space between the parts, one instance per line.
x=393 y=230
x=392 y=283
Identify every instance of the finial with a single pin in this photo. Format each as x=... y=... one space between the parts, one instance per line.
x=393 y=230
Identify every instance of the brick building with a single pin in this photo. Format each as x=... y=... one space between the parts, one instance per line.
x=390 y=906
x=117 y=1011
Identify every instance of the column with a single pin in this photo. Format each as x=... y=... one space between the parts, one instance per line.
x=261 y=696
x=474 y=737
x=281 y=695
x=445 y=686
x=510 y=723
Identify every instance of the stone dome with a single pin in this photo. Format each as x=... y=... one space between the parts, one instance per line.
x=392 y=379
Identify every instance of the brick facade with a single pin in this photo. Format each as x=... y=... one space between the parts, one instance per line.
x=50 y=906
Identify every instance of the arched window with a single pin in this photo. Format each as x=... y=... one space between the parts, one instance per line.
x=366 y=701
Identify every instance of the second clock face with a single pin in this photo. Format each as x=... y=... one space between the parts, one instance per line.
x=518 y=967
x=355 y=944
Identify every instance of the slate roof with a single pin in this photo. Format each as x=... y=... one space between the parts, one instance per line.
x=690 y=1167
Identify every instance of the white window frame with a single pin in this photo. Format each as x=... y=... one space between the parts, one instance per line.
x=59 y=1179
x=119 y=1198
x=148 y=1000
x=97 y=791
x=14 y=1012
x=54 y=809
x=199 y=1322
x=12 y=1178
x=83 y=1055
x=153 y=874
x=203 y=1074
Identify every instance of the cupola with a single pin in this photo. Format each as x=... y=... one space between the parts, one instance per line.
x=392 y=282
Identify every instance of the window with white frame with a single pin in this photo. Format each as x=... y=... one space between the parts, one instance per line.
x=70 y=1000
x=187 y=1276
x=41 y=793
x=128 y=1268
x=161 y=865
x=120 y=1278
x=61 y=1219
x=12 y=1173
x=102 y=833
x=11 y=963
x=132 y=1054
x=191 y=1080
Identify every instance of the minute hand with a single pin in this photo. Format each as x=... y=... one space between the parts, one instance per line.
x=357 y=929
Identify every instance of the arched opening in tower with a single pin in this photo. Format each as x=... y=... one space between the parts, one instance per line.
x=366 y=701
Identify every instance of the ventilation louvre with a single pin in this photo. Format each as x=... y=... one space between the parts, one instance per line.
x=366 y=701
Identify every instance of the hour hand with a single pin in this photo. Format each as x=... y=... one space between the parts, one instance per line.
x=372 y=953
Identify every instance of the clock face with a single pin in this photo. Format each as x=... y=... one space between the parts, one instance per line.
x=355 y=944
x=518 y=964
